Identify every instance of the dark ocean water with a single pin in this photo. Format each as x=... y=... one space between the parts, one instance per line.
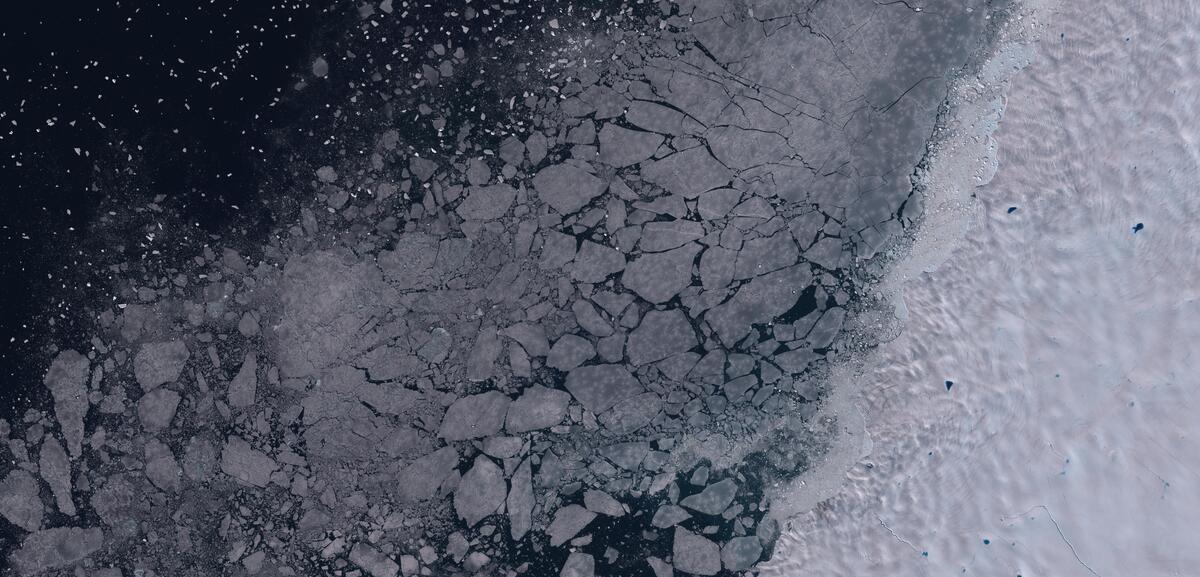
x=107 y=105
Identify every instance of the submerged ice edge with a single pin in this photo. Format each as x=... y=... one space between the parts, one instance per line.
x=960 y=157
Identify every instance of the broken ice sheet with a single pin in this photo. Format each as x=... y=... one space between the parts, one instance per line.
x=529 y=297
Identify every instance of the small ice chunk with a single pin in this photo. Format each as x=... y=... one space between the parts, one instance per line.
x=199 y=459
x=422 y=168
x=512 y=151
x=558 y=250
x=589 y=319
x=320 y=67
x=503 y=447
x=531 y=336
x=537 y=146
x=437 y=347
x=717 y=203
x=248 y=325
x=409 y=565
x=478 y=171
x=481 y=361
x=327 y=174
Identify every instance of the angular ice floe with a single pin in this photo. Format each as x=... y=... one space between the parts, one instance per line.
x=758 y=301
x=55 y=548
x=67 y=380
x=659 y=277
x=568 y=522
x=531 y=336
x=537 y=408
x=520 y=501
x=570 y=351
x=622 y=147
x=590 y=320
x=599 y=387
x=763 y=255
x=658 y=236
x=687 y=173
x=578 y=565
x=661 y=334
x=594 y=262
x=475 y=416
x=669 y=516
x=713 y=499
x=661 y=568
x=156 y=409
x=245 y=384
x=487 y=202
x=628 y=455
x=602 y=503
x=373 y=561
x=481 y=491
x=741 y=553
x=245 y=463
x=158 y=363
x=161 y=468
x=55 y=467
x=19 y=500
x=695 y=554
x=420 y=479
x=632 y=414
x=567 y=188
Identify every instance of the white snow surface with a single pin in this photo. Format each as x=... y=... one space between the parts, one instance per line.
x=1070 y=440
